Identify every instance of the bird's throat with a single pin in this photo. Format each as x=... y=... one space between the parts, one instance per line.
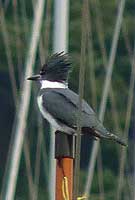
x=51 y=84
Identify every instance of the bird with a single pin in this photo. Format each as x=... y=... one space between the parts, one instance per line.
x=59 y=105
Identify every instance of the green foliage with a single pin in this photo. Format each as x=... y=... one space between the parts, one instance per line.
x=109 y=182
x=120 y=77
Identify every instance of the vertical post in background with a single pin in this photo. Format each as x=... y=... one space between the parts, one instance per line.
x=60 y=43
x=20 y=122
x=61 y=18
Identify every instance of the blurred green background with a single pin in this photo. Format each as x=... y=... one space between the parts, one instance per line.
x=18 y=17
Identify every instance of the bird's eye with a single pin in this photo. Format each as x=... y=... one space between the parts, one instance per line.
x=42 y=72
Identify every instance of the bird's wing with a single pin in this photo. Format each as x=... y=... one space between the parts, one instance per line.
x=62 y=104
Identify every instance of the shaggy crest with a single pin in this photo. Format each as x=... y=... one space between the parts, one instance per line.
x=56 y=68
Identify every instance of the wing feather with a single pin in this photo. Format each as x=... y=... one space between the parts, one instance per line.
x=63 y=105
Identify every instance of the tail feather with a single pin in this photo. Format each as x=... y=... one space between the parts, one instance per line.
x=110 y=136
x=117 y=139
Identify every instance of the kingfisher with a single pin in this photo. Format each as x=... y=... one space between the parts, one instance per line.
x=59 y=105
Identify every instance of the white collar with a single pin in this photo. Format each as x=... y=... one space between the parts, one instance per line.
x=51 y=84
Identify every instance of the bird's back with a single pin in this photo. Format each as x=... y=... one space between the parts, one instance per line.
x=62 y=104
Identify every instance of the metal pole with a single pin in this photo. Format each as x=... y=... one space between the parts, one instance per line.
x=61 y=18
x=60 y=43
x=8 y=191
x=52 y=166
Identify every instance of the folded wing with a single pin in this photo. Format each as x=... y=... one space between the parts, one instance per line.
x=62 y=104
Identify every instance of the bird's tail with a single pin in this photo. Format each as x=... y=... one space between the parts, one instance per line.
x=111 y=136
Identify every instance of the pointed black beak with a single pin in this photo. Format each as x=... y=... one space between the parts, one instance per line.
x=34 y=77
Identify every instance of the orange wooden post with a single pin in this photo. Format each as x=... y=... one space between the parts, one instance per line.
x=64 y=168
x=64 y=153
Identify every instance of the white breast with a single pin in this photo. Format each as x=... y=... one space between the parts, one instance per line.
x=58 y=126
x=45 y=114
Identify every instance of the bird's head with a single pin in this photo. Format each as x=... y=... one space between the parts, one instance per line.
x=56 y=69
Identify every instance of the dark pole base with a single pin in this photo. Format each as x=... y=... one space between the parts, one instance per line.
x=64 y=145
x=64 y=154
